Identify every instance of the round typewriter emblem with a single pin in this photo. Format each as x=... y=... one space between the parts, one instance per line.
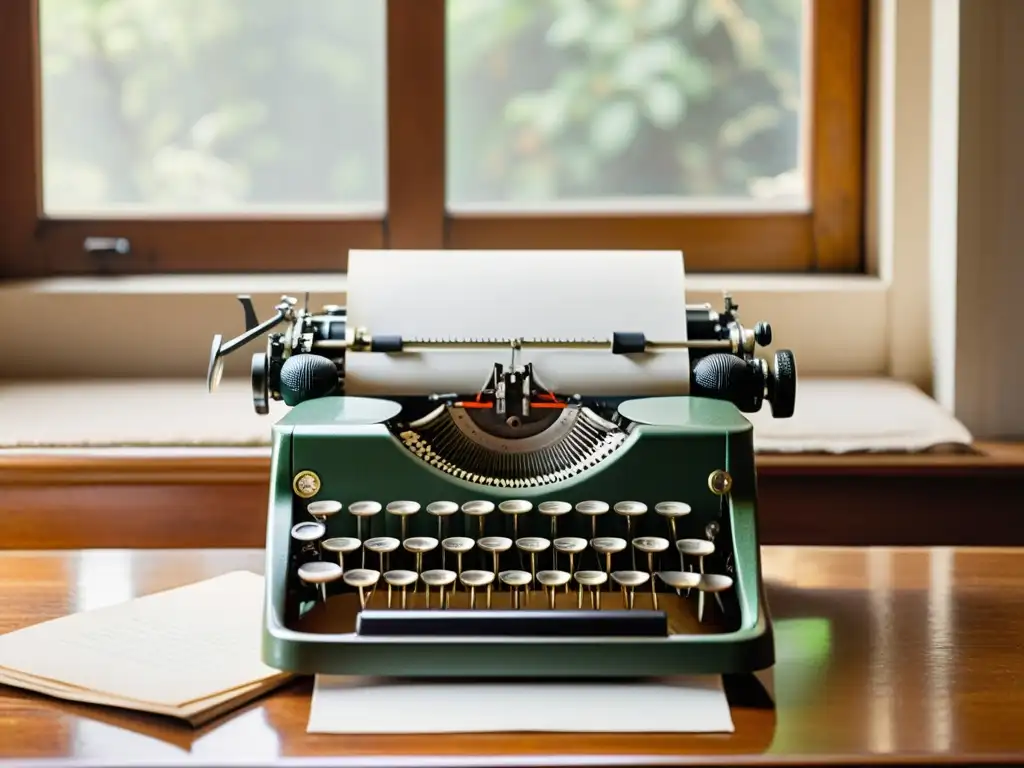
x=306 y=484
x=720 y=482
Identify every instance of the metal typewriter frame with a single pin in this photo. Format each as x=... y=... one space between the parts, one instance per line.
x=708 y=432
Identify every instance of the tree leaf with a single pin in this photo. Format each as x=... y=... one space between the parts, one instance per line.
x=570 y=26
x=614 y=127
x=705 y=16
x=665 y=103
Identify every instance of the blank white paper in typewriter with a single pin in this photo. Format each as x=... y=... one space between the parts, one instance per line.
x=518 y=295
x=355 y=705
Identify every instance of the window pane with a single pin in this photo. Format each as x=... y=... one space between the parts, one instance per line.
x=641 y=104
x=178 y=106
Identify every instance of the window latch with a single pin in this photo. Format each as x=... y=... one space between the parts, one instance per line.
x=102 y=249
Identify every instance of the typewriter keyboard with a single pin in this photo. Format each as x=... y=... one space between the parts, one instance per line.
x=516 y=555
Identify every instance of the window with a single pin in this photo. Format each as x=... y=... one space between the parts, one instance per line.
x=261 y=135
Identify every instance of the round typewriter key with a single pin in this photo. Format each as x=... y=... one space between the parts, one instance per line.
x=321 y=510
x=553 y=580
x=361 y=509
x=608 y=546
x=629 y=510
x=651 y=545
x=570 y=545
x=418 y=545
x=399 y=579
x=307 y=532
x=680 y=580
x=711 y=583
x=440 y=578
x=341 y=545
x=361 y=578
x=699 y=548
x=592 y=509
x=403 y=510
x=382 y=545
x=554 y=510
x=671 y=510
x=474 y=580
x=320 y=574
x=629 y=580
x=515 y=580
x=495 y=545
x=459 y=545
x=515 y=507
x=479 y=510
x=441 y=510
x=532 y=545
x=591 y=580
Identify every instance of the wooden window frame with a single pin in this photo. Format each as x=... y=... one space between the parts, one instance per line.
x=828 y=238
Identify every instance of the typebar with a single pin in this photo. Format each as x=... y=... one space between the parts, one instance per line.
x=515 y=623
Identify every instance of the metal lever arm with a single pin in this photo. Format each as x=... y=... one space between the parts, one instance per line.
x=221 y=349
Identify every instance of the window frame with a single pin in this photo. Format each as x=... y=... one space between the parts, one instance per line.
x=829 y=238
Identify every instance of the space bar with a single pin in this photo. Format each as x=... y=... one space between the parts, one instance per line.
x=521 y=623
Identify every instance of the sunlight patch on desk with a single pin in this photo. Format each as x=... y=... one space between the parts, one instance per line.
x=104 y=578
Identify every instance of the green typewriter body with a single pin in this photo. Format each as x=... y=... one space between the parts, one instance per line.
x=677 y=451
x=468 y=520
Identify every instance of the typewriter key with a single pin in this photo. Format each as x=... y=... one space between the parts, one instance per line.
x=418 y=545
x=495 y=545
x=553 y=580
x=650 y=545
x=515 y=508
x=440 y=578
x=680 y=580
x=629 y=510
x=698 y=548
x=442 y=510
x=532 y=545
x=321 y=510
x=320 y=574
x=479 y=510
x=629 y=580
x=308 y=533
x=382 y=545
x=554 y=510
x=474 y=580
x=361 y=578
x=712 y=584
x=592 y=509
x=514 y=580
x=399 y=579
x=592 y=580
x=608 y=546
x=361 y=509
x=341 y=545
x=459 y=545
x=671 y=510
x=403 y=510
x=572 y=546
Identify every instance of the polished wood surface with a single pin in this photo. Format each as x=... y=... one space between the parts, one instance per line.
x=883 y=656
x=92 y=498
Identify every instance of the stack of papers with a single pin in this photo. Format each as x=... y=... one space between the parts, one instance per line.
x=192 y=653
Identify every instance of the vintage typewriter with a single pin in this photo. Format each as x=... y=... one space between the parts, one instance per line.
x=511 y=529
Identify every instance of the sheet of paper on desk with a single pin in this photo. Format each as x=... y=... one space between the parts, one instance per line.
x=357 y=705
x=184 y=652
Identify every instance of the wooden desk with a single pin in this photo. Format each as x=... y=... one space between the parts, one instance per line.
x=884 y=656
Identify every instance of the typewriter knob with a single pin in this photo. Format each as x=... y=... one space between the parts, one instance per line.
x=782 y=385
x=307 y=377
x=258 y=375
x=763 y=333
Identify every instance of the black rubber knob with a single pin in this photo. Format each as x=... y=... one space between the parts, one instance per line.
x=782 y=385
x=307 y=377
x=722 y=376
x=763 y=333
